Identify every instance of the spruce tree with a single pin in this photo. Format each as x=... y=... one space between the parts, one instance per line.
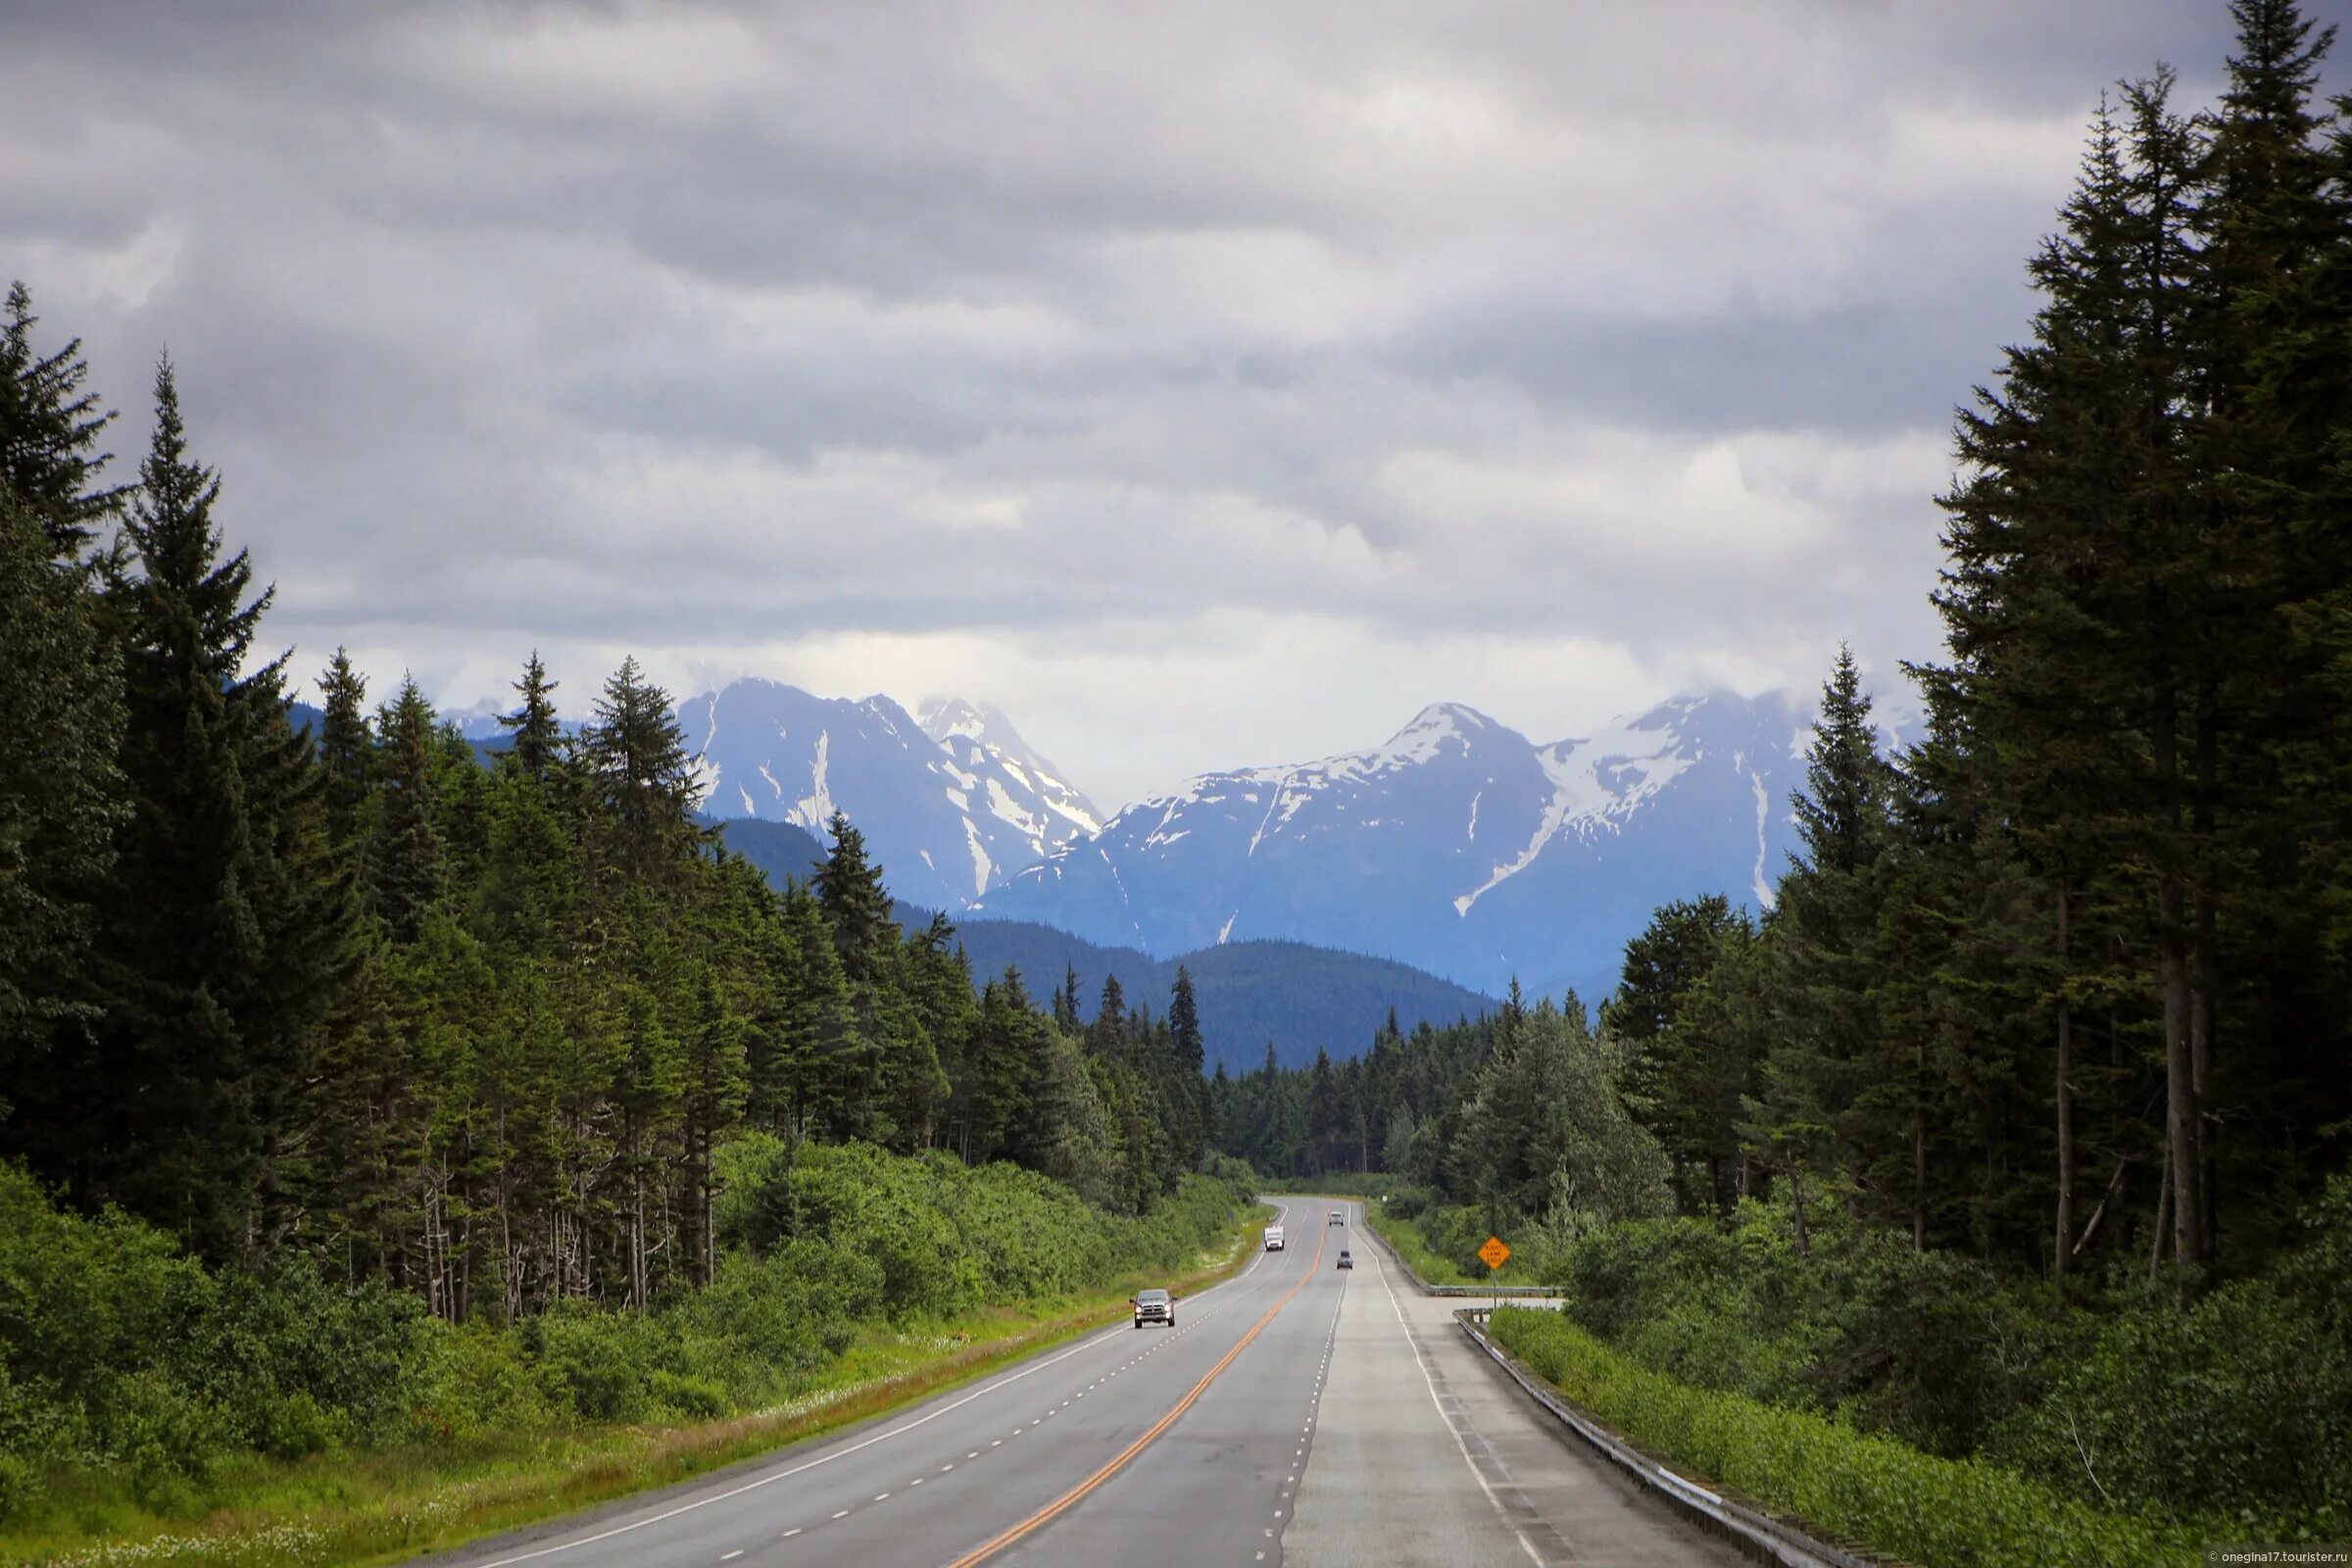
x=715 y=1079
x=1106 y=1036
x=1187 y=1055
x=406 y=872
x=228 y=931
x=538 y=735
x=61 y=801
x=2264 y=221
x=344 y=745
x=849 y=888
x=644 y=780
x=49 y=433
x=1828 y=913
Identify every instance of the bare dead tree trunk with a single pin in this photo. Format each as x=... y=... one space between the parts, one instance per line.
x=2182 y=1115
x=2092 y=1227
x=637 y=1291
x=1919 y=1146
x=2066 y=1107
x=1796 y=1204
x=2201 y=1023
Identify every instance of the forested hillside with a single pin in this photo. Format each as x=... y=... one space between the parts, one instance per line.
x=2017 y=1127
x=369 y=1028
x=1296 y=998
x=1290 y=995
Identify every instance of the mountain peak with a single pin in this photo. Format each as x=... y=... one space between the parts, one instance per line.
x=1421 y=736
x=943 y=717
x=1448 y=715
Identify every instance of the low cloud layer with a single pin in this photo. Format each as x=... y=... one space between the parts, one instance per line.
x=1205 y=387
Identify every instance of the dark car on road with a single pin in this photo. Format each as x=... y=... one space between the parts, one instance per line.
x=1154 y=1306
x=1345 y=1260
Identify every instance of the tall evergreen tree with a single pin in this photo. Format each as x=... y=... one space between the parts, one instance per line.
x=60 y=800
x=1106 y=1036
x=538 y=736
x=1188 y=1056
x=50 y=427
x=405 y=871
x=1827 y=916
x=344 y=744
x=645 y=781
x=849 y=888
x=228 y=927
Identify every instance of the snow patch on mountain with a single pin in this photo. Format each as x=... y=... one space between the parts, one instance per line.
x=815 y=809
x=982 y=865
x=928 y=803
x=1492 y=856
x=1763 y=886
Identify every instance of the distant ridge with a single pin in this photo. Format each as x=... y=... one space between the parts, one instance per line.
x=1458 y=844
x=1252 y=994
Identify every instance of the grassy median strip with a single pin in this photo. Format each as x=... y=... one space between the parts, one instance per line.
x=1404 y=1239
x=1892 y=1499
x=381 y=1507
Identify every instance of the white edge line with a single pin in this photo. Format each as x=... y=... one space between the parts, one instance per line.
x=1098 y=1336
x=1451 y=1430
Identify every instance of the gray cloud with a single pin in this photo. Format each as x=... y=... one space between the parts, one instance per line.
x=1206 y=384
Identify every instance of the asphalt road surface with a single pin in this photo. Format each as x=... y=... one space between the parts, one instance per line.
x=1295 y=1415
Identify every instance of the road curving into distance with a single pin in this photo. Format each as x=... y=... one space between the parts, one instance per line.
x=1297 y=1413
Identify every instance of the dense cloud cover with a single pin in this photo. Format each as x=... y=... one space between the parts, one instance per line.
x=1207 y=385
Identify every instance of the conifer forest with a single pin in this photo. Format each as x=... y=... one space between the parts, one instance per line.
x=367 y=1092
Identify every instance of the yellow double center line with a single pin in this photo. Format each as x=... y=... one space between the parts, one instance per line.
x=1070 y=1498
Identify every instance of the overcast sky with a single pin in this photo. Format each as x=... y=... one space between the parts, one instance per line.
x=1207 y=385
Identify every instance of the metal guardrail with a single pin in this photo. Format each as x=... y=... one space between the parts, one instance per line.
x=1758 y=1533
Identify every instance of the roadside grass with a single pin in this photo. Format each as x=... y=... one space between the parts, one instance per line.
x=1405 y=1240
x=362 y=1508
x=1898 y=1501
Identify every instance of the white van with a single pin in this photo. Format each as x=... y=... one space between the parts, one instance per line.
x=1273 y=1238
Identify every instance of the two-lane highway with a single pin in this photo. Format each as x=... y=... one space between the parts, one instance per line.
x=1297 y=1413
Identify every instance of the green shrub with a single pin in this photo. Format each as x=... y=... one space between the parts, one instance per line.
x=20 y=1487
x=1930 y=1347
x=2241 y=1405
x=467 y=1382
x=690 y=1398
x=162 y=1434
x=1938 y=1512
x=119 y=1353
x=595 y=1366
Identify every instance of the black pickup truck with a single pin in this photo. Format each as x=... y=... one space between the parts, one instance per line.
x=1154 y=1306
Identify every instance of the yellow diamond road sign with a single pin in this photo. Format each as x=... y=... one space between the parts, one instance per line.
x=1495 y=1255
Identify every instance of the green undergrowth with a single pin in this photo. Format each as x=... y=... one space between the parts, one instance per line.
x=153 y=1412
x=1892 y=1499
x=2235 y=1405
x=1405 y=1238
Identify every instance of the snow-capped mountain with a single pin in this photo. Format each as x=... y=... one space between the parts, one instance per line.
x=983 y=741
x=1458 y=844
x=950 y=805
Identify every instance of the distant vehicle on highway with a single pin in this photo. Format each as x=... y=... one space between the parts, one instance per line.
x=1154 y=1306
x=1345 y=1260
x=1338 y=1216
x=1273 y=1238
